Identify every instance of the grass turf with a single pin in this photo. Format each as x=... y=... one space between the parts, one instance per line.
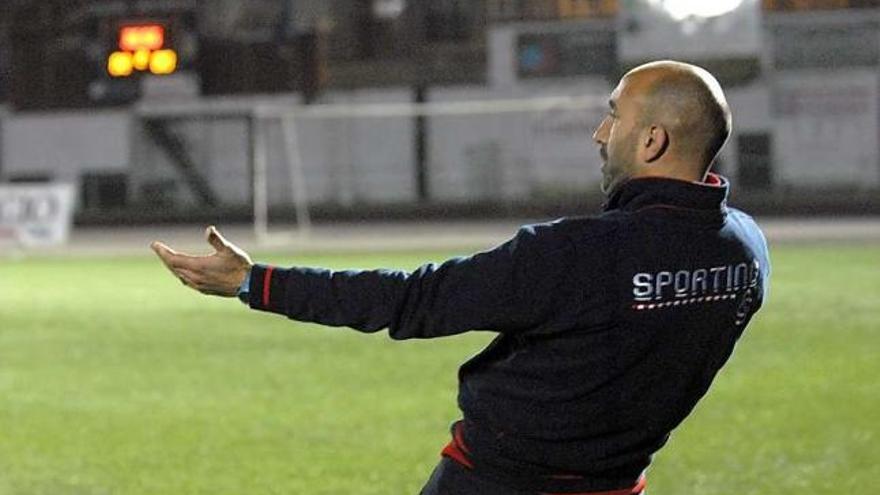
x=114 y=379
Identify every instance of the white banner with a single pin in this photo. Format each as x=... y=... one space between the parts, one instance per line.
x=35 y=215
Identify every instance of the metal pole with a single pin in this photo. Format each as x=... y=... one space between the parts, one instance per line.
x=260 y=182
x=423 y=190
x=297 y=175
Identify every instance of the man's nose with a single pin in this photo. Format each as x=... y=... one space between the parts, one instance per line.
x=599 y=133
x=597 y=138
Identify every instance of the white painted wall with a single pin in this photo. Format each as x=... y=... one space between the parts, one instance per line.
x=219 y=148
x=361 y=159
x=515 y=155
x=64 y=145
x=751 y=110
x=826 y=128
x=501 y=55
x=345 y=161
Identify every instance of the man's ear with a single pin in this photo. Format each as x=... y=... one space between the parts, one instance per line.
x=655 y=143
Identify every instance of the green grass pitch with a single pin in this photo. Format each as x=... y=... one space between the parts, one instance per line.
x=114 y=379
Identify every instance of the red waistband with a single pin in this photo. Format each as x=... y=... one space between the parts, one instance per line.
x=456 y=449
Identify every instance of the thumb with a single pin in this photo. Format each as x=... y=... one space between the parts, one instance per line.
x=215 y=239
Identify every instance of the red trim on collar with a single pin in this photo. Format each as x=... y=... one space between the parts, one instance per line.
x=712 y=180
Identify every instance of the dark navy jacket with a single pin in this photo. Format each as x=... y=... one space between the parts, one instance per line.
x=610 y=327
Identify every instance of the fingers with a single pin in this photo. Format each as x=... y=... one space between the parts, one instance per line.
x=165 y=253
x=188 y=278
x=215 y=239
x=215 y=274
x=196 y=281
x=172 y=259
x=162 y=249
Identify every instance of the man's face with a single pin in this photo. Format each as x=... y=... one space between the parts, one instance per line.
x=616 y=137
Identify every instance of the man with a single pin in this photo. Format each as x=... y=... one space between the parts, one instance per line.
x=610 y=327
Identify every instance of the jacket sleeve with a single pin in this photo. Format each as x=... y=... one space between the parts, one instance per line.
x=505 y=289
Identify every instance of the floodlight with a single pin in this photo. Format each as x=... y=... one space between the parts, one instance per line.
x=685 y=9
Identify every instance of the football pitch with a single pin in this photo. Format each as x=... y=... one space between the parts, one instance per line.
x=115 y=379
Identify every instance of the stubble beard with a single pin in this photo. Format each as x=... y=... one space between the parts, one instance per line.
x=615 y=172
x=606 y=182
x=605 y=170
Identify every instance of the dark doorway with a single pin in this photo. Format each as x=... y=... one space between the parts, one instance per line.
x=755 y=161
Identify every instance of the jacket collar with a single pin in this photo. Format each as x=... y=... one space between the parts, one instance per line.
x=644 y=192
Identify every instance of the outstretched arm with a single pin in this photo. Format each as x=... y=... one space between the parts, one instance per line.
x=505 y=289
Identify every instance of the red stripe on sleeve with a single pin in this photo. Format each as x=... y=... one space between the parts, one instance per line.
x=267 y=279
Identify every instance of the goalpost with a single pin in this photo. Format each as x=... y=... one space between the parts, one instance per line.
x=290 y=120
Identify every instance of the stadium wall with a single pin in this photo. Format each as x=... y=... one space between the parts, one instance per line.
x=504 y=157
x=822 y=126
x=519 y=155
x=353 y=161
x=62 y=146
x=825 y=128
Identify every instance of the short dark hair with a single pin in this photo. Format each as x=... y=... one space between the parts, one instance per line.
x=690 y=103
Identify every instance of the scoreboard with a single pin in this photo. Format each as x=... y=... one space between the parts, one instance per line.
x=141 y=48
x=65 y=54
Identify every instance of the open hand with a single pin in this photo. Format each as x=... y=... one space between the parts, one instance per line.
x=218 y=274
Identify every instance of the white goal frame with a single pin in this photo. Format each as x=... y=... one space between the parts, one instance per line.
x=290 y=116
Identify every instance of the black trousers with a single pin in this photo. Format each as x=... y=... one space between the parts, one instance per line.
x=451 y=478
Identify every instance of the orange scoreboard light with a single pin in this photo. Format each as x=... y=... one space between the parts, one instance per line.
x=141 y=48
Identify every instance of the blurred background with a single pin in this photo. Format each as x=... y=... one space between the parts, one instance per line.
x=154 y=111
x=390 y=133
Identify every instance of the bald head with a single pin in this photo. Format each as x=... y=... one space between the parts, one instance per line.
x=667 y=119
x=688 y=102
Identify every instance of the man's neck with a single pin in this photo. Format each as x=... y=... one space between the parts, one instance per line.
x=674 y=170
